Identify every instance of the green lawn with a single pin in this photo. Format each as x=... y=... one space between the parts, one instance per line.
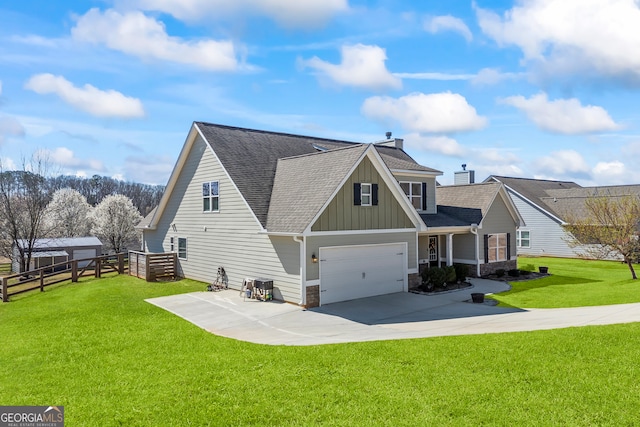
x=573 y=283
x=111 y=359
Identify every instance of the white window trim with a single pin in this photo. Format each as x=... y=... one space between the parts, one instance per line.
x=186 y=246
x=369 y=194
x=519 y=239
x=410 y=196
x=210 y=197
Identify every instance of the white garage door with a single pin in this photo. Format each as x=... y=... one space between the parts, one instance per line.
x=350 y=272
x=84 y=253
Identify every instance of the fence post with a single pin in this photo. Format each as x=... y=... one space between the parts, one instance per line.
x=98 y=263
x=41 y=280
x=5 y=296
x=121 y=263
x=74 y=270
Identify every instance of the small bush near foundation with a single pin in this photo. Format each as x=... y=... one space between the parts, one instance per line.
x=451 y=274
x=434 y=277
x=514 y=272
x=462 y=271
x=525 y=272
x=527 y=267
x=500 y=272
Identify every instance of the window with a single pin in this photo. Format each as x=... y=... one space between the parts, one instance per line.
x=210 y=196
x=182 y=248
x=414 y=191
x=496 y=247
x=365 y=194
x=523 y=238
x=172 y=246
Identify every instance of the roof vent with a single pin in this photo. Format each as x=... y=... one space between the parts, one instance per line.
x=388 y=135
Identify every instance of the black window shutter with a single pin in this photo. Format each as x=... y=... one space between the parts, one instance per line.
x=486 y=248
x=508 y=246
x=374 y=194
x=356 y=194
x=424 y=196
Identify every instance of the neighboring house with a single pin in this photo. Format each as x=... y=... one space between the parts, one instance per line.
x=545 y=206
x=326 y=220
x=50 y=251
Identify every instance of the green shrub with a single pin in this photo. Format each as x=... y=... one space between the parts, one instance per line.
x=434 y=277
x=462 y=271
x=500 y=272
x=514 y=272
x=527 y=267
x=451 y=274
x=525 y=272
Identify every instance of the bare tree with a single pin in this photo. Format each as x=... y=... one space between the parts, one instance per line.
x=68 y=214
x=114 y=221
x=23 y=198
x=608 y=228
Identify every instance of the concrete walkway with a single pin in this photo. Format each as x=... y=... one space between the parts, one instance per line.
x=385 y=317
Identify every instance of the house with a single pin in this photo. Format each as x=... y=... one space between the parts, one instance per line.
x=325 y=220
x=48 y=251
x=546 y=205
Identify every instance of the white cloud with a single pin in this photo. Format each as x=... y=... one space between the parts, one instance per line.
x=361 y=66
x=563 y=162
x=135 y=34
x=593 y=36
x=565 y=116
x=7 y=164
x=437 y=24
x=66 y=158
x=438 y=144
x=434 y=76
x=492 y=76
x=88 y=98
x=608 y=171
x=150 y=169
x=288 y=13
x=444 y=112
x=9 y=126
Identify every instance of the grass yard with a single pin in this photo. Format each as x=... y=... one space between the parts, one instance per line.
x=573 y=283
x=111 y=359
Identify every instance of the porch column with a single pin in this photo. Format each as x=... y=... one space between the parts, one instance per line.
x=449 y=249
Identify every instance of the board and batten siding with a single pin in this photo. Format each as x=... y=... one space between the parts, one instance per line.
x=341 y=214
x=547 y=236
x=498 y=220
x=431 y=189
x=314 y=243
x=229 y=238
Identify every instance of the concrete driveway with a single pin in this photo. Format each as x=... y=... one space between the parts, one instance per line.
x=385 y=317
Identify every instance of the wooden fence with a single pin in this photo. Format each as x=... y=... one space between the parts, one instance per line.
x=152 y=267
x=60 y=272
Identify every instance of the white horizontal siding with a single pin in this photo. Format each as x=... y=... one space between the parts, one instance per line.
x=229 y=238
x=546 y=235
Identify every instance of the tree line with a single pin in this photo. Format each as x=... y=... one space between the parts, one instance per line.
x=34 y=204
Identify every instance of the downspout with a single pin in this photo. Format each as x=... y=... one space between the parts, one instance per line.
x=474 y=231
x=303 y=269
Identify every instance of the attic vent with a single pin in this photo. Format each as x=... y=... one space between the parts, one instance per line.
x=320 y=148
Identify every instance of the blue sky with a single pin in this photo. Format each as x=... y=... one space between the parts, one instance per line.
x=537 y=88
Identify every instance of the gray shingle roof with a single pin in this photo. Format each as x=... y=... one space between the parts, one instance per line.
x=146 y=221
x=251 y=158
x=462 y=205
x=571 y=202
x=536 y=189
x=303 y=184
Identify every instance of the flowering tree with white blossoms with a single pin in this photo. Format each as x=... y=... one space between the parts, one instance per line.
x=68 y=214
x=114 y=220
